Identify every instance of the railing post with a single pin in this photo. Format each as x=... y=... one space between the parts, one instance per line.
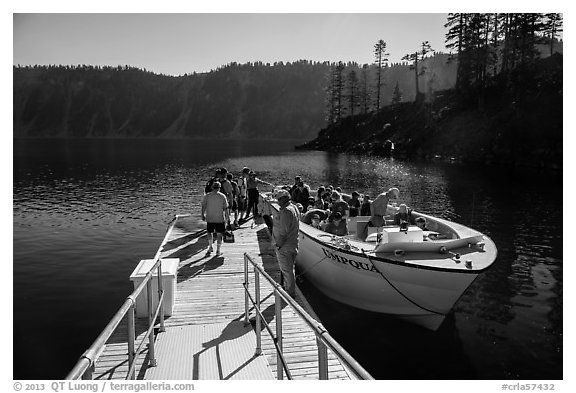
x=322 y=359
x=131 y=338
x=160 y=292
x=258 y=321
x=278 y=304
x=246 y=298
x=89 y=372
x=150 y=323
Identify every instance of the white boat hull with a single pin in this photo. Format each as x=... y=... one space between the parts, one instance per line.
x=421 y=287
x=421 y=295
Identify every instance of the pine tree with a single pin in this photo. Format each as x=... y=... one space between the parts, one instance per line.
x=352 y=96
x=552 y=25
x=364 y=90
x=396 y=95
x=338 y=90
x=455 y=40
x=415 y=58
x=381 y=58
x=330 y=102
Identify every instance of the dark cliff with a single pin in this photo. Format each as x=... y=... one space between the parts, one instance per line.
x=515 y=120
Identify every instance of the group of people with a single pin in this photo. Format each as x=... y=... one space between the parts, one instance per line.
x=325 y=210
x=224 y=196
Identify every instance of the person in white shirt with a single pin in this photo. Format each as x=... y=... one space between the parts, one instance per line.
x=215 y=213
x=285 y=234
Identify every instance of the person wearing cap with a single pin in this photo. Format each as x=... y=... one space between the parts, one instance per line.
x=215 y=213
x=285 y=236
x=307 y=217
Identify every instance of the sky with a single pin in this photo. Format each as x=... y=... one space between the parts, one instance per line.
x=180 y=43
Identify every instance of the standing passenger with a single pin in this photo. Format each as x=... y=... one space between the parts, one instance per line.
x=235 y=192
x=253 y=194
x=209 y=183
x=301 y=194
x=354 y=204
x=285 y=235
x=243 y=196
x=215 y=213
x=378 y=208
x=226 y=189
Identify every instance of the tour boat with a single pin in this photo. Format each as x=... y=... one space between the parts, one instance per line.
x=402 y=271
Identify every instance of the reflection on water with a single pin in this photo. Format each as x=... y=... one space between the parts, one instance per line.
x=85 y=213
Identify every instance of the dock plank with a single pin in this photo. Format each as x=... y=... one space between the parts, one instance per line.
x=210 y=298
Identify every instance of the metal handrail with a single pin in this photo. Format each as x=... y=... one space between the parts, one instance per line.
x=85 y=365
x=323 y=338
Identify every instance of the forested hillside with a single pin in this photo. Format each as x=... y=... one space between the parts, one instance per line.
x=253 y=100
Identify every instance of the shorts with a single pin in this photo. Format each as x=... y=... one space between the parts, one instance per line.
x=218 y=227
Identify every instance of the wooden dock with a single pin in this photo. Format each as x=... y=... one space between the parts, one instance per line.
x=206 y=337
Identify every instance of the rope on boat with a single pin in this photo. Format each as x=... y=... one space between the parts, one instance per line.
x=311 y=267
x=397 y=290
x=338 y=241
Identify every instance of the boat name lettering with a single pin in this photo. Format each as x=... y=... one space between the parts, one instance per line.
x=355 y=264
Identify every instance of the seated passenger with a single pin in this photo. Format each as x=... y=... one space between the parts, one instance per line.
x=338 y=205
x=421 y=223
x=338 y=225
x=354 y=204
x=318 y=203
x=428 y=235
x=316 y=221
x=307 y=217
x=365 y=208
x=403 y=214
x=326 y=201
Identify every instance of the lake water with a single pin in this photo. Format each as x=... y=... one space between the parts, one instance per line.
x=86 y=212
